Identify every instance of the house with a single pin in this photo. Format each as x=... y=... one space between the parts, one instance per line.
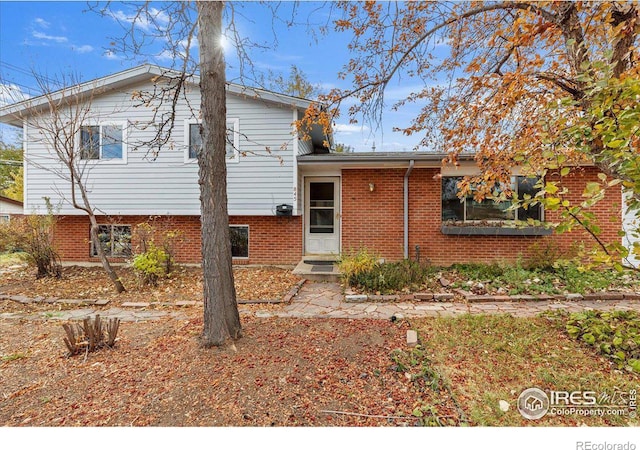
x=288 y=197
x=9 y=207
x=630 y=228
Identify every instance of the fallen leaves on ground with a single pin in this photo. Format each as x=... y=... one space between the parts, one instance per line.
x=184 y=284
x=281 y=373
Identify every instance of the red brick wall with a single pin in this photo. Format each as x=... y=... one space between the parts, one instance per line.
x=375 y=219
x=369 y=219
x=272 y=240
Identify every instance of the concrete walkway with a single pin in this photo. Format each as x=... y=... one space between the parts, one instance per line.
x=325 y=300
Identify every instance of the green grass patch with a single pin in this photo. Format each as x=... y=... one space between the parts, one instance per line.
x=13 y=357
x=486 y=359
x=564 y=276
x=12 y=259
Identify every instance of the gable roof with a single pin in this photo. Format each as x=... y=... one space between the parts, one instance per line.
x=14 y=113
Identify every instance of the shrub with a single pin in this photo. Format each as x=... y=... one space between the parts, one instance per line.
x=542 y=256
x=150 y=265
x=169 y=239
x=355 y=264
x=33 y=235
x=363 y=271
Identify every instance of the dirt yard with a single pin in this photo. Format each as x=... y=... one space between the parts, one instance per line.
x=281 y=373
x=184 y=284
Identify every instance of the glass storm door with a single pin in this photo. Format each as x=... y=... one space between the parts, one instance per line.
x=322 y=218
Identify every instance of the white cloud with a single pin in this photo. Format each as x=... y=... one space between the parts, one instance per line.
x=41 y=22
x=109 y=54
x=47 y=37
x=11 y=93
x=349 y=128
x=179 y=52
x=144 y=21
x=83 y=49
x=165 y=55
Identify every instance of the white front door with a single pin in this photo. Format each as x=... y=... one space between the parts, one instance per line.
x=322 y=216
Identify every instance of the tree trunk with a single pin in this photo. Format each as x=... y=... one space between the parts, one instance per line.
x=221 y=317
x=115 y=279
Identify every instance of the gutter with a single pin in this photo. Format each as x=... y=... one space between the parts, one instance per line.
x=406 y=209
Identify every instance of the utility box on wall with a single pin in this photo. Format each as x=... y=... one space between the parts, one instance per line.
x=284 y=210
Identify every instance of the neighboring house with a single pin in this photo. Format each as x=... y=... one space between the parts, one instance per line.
x=631 y=226
x=9 y=207
x=289 y=198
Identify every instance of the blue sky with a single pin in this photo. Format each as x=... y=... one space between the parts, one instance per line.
x=61 y=38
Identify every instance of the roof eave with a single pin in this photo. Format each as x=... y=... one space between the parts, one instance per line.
x=14 y=113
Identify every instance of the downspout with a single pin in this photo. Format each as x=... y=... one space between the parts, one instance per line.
x=406 y=209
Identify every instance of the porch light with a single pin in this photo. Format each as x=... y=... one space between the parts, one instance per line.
x=372 y=187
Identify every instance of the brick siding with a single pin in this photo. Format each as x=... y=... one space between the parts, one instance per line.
x=374 y=220
x=272 y=240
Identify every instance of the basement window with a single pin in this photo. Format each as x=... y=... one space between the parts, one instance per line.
x=115 y=240
x=239 y=235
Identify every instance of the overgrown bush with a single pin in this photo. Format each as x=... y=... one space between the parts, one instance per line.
x=148 y=232
x=33 y=235
x=352 y=265
x=150 y=266
x=542 y=256
x=364 y=271
x=615 y=334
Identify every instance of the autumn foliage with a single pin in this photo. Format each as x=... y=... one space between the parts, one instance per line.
x=541 y=85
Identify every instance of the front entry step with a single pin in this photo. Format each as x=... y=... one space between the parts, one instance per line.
x=317 y=270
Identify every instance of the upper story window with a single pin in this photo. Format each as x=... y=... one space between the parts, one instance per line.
x=467 y=209
x=193 y=140
x=105 y=141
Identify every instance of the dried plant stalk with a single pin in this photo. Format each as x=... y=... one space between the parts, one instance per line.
x=90 y=335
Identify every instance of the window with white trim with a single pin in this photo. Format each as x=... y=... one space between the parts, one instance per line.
x=469 y=210
x=239 y=236
x=104 y=141
x=115 y=240
x=193 y=140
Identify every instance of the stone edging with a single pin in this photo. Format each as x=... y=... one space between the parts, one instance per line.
x=419 y=296
x=351 y=297
x=53 y=300
x=103 y=302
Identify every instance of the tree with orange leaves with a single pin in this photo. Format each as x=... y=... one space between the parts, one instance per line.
x=543 y=85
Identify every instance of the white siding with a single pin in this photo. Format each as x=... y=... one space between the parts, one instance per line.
x=305 y=147
x=630 y=225
x=9 y=208
x=261 y=179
